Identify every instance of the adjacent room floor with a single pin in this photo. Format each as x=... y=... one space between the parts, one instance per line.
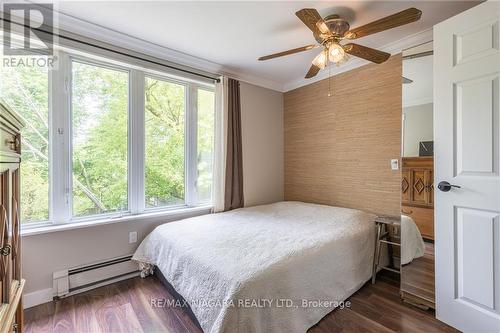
x=126 y=307
x=418 y=277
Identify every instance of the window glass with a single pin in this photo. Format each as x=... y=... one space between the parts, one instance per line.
x=96 y=175
x=99 y=138
x=206 y=105
x=26 y=90
x=164 y=132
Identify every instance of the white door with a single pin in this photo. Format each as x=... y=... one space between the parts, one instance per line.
x=467 y=154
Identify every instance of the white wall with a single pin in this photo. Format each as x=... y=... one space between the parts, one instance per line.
x=263 y=144
x=44 y=254
x=262 y=133
x=418 y=127
x=419 y=70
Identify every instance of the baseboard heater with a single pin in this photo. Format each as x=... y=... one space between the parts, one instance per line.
x=82 y=278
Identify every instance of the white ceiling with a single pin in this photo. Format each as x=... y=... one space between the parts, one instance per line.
x=235 y=34
x=420 y=90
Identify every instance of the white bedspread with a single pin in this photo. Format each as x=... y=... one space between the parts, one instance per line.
x=269 y=255
x=412 y=244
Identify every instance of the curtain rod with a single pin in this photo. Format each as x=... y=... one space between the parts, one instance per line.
x=115 y=51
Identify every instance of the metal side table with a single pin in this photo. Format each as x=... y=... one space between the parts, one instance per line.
x=383 y=237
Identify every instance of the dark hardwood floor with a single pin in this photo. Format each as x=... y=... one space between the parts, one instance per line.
x=126 y=307
x=418 y=276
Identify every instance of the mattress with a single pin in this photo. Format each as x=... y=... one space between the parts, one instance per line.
x=271 y=268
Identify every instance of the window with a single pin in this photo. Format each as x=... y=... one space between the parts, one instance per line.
x=165 y=104
x=105 y=139
x=206 y=130
x=99 y=136
x=26 y=90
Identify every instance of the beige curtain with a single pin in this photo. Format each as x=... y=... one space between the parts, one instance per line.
x=233 y=194
x=219 y=166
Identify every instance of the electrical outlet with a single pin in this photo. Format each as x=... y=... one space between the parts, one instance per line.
x=132 y=237
x=394 y=164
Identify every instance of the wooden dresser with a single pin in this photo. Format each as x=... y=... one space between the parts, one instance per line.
x=11 y=309
x=417 y=193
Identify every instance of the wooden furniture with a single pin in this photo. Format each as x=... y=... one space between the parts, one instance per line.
x=417 y=193
x=386 y=236
x=11 y=309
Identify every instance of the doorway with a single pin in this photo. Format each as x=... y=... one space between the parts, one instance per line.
x=417 y=185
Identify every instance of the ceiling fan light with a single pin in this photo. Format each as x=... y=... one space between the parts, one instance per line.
x=321 y=60
x=344 y=59
x=336 y=53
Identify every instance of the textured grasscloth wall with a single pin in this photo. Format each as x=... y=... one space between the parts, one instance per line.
x=338 y=149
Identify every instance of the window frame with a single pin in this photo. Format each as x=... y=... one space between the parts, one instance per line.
x=209 y=89
x=61 y=135
x=100 y=64
x=159 y=77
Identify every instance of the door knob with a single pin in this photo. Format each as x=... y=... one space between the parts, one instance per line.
x=446 y=187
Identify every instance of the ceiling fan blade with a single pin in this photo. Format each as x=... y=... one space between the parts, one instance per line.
x=312 y=71
x=292 y=51
x=314 y=21
x=367 y=53
x=404 y=17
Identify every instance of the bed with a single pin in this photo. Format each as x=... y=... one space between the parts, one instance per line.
x=271 y=268
x=411 y=239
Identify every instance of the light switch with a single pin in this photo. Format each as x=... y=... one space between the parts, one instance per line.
x=394 y=164
x=132 y=237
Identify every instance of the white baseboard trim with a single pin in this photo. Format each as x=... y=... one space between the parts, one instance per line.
x=37 y=297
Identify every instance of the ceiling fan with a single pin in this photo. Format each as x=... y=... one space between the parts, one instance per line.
x=329 y=31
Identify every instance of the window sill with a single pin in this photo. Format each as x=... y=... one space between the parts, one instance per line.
x=170 y=214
